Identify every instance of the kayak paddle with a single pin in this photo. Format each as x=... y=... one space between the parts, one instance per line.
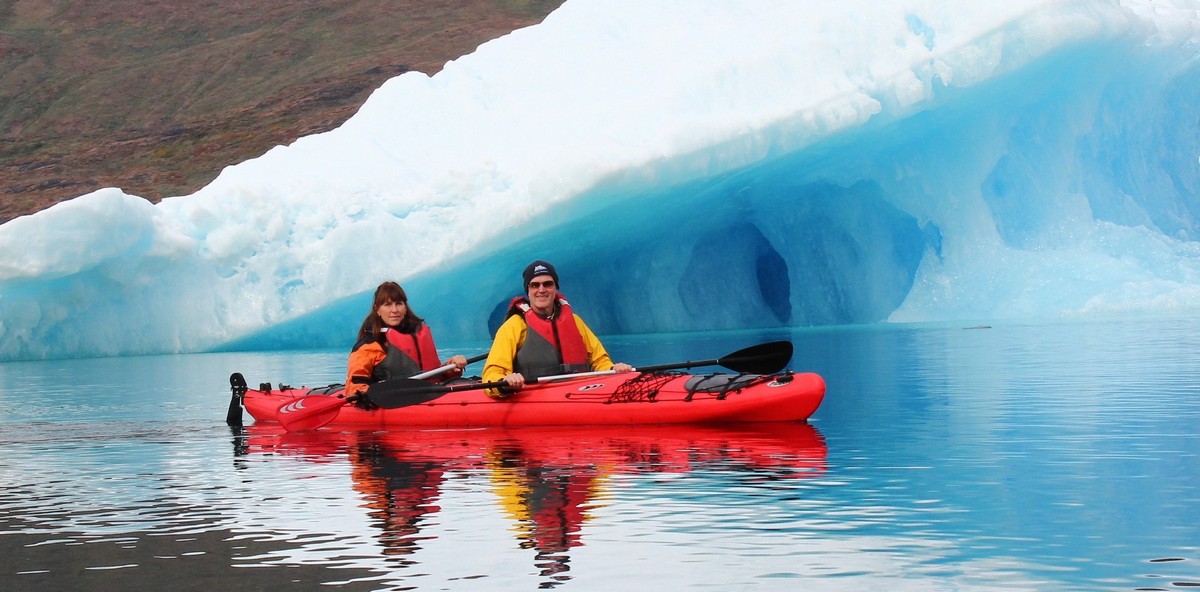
x=313 y=411
x=764 y=358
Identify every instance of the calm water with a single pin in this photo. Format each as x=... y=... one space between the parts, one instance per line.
x=1061 y=456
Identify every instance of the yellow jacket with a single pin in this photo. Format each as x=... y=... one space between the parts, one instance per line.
x=511 y=336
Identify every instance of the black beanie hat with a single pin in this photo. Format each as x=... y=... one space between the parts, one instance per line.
x=538 y=268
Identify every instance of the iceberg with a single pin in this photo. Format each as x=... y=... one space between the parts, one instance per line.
x=687 y=165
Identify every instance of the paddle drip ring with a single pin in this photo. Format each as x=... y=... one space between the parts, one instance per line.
x=643 y=387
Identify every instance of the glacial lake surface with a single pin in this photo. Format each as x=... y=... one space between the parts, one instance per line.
x=1051 y=455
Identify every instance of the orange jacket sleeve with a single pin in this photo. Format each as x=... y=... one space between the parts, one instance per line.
x=362 y=364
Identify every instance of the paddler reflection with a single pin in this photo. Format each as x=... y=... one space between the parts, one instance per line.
x=547 y=481
x=398 y=494
x=547 y=504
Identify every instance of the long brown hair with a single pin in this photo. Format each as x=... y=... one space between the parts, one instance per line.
x=373 y=325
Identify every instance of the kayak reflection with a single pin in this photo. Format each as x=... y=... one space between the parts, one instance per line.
x=546 y=479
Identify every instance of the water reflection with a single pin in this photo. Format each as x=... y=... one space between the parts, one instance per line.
x=548 y=481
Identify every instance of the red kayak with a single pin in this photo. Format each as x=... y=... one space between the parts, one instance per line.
x=610 y=399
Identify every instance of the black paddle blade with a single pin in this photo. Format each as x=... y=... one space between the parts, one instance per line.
x=764 y=358
x=237 y=387
x=391 y=394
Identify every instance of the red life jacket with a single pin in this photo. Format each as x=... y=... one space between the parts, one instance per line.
x=552 y=345
x=407 y=354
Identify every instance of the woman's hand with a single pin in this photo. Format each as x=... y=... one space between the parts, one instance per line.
x=622 y=367
x=459 y=362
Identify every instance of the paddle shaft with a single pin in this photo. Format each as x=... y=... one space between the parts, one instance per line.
x=441 y=369
x=643 y=369
x=758 y=359
x=764 y=358
x=416 y=387
x=322 y=409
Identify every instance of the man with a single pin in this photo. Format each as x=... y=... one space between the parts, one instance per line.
x=542 y=336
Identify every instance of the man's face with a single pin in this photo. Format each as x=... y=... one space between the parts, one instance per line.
x=542 y=291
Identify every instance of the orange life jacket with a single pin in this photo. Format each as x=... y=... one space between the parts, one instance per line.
x=407 y=354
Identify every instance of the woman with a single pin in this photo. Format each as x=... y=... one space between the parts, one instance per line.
x=393 y=343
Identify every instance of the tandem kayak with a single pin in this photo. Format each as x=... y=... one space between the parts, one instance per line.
x=637 y=398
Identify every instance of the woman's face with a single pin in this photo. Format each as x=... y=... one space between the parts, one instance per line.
x=392 y=312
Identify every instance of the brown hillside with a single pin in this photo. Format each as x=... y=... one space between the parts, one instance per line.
x=157 y=96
